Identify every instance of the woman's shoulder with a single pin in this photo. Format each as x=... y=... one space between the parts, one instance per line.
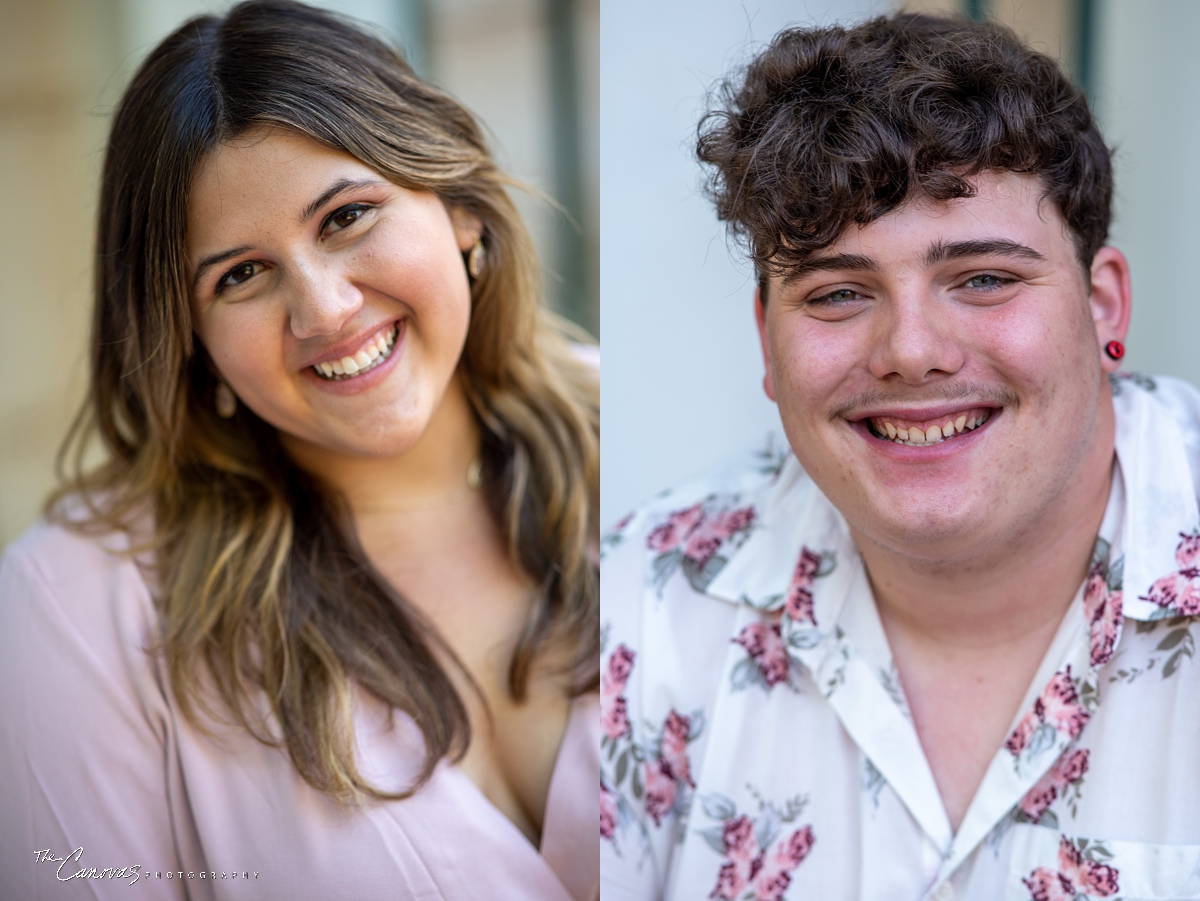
x=61 y=585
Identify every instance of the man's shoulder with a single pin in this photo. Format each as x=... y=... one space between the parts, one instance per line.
x=1181 y=399
x=749 y=476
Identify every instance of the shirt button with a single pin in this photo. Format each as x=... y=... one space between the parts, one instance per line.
x=943 y=892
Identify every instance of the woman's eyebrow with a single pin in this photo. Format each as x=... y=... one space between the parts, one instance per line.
x=342 y=184
x=208 y=262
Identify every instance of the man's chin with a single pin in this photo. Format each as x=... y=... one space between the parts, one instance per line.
x=928 y=535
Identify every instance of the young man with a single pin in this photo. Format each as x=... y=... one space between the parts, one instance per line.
x=942 y=645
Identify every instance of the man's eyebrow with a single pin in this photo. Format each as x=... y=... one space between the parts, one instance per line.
x=957 y=250
x=339 y=186
x=840 y=262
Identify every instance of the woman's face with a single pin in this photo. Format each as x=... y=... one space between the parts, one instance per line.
x=334 y=303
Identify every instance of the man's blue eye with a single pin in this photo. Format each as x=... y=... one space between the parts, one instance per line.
x=842 y=295
x=987 y=280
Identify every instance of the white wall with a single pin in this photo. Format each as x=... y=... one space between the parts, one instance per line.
x=682 y=373
x=1148 y=70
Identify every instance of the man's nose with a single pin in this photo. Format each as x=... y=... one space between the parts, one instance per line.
x=917 y=339
x=322 y=298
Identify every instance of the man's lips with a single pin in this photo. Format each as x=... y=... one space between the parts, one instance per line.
x=915 y=428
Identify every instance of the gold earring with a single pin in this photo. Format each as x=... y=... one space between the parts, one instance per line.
x=476 y=260
x=226 y=401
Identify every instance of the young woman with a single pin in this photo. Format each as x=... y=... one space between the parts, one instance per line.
x=323 y=621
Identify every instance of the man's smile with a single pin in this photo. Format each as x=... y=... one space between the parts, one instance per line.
x=928 y=431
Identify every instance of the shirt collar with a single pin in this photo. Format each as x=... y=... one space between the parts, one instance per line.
x=1157 y=492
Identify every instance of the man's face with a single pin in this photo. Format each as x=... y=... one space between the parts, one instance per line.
x=971 y=319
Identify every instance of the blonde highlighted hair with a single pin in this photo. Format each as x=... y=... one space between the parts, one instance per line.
x=263 y=585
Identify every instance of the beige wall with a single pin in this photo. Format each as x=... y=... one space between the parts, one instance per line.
x=55 y=56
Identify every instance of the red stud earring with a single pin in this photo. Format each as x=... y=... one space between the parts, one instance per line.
x=1115 y=349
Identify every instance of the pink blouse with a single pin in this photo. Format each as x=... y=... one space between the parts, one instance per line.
x=107 y=792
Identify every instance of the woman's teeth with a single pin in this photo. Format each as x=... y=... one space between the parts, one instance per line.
x=366 y=359
x=916 y=436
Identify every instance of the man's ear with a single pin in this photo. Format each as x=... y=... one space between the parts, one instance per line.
x=1111 y=300
x=760 y=319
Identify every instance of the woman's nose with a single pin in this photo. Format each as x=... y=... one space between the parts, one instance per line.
x=322 y=298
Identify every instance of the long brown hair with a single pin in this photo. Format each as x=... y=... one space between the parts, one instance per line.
x=262 y=581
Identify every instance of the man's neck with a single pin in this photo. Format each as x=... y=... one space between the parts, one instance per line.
x=968 y=634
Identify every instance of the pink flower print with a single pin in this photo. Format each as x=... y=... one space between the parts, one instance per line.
x=1039 y=798
x=1103 y=611
x=660 y=790
x=764 y=643
x=614 y=717
x=1075 y=874
x=1073 y=766
x=1047 y=885
x=608 y=812
x=678 y=526
x=702 y=545
x=730 y=522
x=1069 y=770
x=1086 y=875
x=799 y=604
x=710 y=533
x=774 y=876
x=740 y=844
x=742 y=859
x=1059 y=705
x=806 y=568
x=1180 y=591
x=674 y=748
x=1020 y=735
x=1187 y=554
x=620 y=664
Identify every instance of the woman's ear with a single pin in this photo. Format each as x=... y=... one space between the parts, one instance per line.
x=468 y=228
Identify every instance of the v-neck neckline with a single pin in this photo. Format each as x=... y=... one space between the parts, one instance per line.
x=559 y=848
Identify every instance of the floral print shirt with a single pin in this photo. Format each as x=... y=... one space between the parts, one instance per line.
x=756 y=744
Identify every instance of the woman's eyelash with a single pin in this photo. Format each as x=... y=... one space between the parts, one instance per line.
x=240 y=273
x=357 y=209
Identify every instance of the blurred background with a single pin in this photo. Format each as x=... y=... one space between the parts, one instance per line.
x=528 y=68
x=683 y=374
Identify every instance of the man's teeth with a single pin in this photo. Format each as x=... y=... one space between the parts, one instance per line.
x=914 y=436
x=364 y=360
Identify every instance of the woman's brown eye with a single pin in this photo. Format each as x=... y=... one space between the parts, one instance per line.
x=346 y=216
x=238 y=274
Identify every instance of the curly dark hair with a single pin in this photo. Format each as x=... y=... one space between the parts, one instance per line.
x=835 y=125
